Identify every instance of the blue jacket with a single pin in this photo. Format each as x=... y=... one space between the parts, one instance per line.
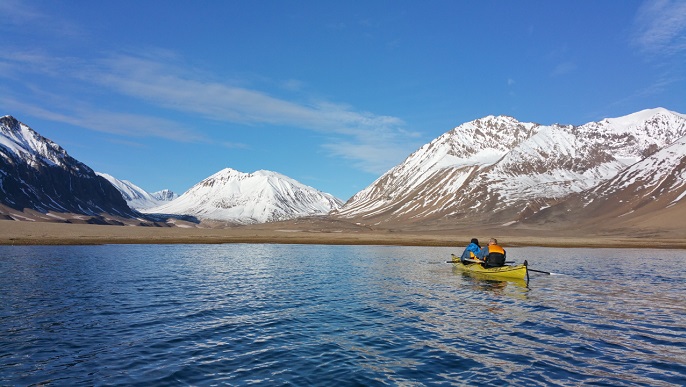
x=473 y=248
x=482 y=253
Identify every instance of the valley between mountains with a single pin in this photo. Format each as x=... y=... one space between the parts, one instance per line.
x=615 y=182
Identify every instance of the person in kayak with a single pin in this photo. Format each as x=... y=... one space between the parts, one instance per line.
x=493 y=255
x=471 y=251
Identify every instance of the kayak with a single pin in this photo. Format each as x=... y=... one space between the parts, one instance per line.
x=507 y=271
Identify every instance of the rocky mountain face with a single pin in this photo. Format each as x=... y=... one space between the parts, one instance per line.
x=37 y=174
x=136 y=197
x=497 y=170
x=165 y=195
x=244 y=198
x=649 y=193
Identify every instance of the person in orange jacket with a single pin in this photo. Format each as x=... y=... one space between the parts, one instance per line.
x=493 y=254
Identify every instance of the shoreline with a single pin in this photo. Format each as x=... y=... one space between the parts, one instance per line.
x=42 y=233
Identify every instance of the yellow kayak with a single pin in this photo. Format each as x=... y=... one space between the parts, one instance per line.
x=516 y=271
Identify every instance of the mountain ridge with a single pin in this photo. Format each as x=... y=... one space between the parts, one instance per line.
x=136 y=197
x=622 y=173
x=456 y=178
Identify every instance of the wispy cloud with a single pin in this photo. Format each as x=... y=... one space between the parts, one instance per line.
x=162 y=80
x=19 y=15
x=564 y=68
x=659 y=86
x=371 y=158
x=234 y=145
x=660 y=27
x=18 y=12
x=122 y=124
x=178 y=88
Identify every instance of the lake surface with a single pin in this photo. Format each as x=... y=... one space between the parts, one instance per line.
x=241 y=314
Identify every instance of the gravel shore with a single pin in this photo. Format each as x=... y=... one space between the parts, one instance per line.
x=45 y=233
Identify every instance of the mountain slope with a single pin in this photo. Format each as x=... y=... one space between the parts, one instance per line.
x=651 y=191
x=37 y=174
x=498 y=170
x=136 y=197
x=429 y=182
x=258 y=197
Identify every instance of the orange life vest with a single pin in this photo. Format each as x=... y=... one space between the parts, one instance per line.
x=495 y=257
x=495 y=249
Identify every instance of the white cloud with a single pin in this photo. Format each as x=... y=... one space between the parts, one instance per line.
x=292 y=85
x=374 y=158
x=17 y=12
x=177 y=88
x=20 y=16
x=123 y=124
x=564 y=68
x=660 y=27
x=160 y=80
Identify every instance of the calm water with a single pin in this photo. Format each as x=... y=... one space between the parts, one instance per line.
x=336 y=315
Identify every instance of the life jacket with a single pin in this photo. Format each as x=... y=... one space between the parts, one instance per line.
x=495 y=257
x=470 y=251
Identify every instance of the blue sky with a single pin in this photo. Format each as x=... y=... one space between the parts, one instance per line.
x=330 y=93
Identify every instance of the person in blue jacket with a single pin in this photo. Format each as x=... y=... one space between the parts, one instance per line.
x=471 y=251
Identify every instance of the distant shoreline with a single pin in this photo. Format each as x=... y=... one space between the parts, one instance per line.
x=44 y=233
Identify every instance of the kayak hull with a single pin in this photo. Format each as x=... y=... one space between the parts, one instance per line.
x=508 y=271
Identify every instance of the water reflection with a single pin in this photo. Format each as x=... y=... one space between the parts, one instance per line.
x=496 y=285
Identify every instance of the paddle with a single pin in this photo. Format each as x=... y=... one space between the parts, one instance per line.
x=544 y=272
x=539 y=271
x=475 y=261
x=525 y=263
x=464 y=260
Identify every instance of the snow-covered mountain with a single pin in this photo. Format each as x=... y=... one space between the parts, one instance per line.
x=136 y=197
x=500 y=170
x=648 y=191
x=491 y=171
x=37 y=174
x=165 y=195
x=258 y=197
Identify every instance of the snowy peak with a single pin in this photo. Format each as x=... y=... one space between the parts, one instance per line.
x=658 y=117
x=165 y=195
x=636 y=136
x=24 y=143
x=136 y=197
x=37 y=174
x=482 y=141
x=261 y=196
x=450 y=160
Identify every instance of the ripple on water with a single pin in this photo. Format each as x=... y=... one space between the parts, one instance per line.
x=332 y=315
